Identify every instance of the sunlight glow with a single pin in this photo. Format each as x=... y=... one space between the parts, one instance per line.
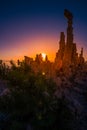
x=43 y=56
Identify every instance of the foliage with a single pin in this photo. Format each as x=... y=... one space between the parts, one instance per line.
x=3 y=70
x=32 y=101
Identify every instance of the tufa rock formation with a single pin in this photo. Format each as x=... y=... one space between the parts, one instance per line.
x=67 y=54
x=67 y=58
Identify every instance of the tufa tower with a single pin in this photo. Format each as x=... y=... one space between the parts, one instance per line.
x=67 y=54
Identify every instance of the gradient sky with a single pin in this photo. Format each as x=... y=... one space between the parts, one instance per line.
x=28 y=27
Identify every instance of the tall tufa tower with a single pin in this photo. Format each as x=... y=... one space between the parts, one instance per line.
x=67 y=54
x=69 y=17
x=60 y=53
x=70 y=54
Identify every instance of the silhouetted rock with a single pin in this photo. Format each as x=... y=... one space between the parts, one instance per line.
x=67 y=54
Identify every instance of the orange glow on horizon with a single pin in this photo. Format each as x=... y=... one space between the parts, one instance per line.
x=31 y=47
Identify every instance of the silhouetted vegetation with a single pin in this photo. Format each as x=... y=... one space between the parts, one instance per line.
x=31 y=102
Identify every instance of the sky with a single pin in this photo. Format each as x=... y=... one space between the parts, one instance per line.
x=30 y=27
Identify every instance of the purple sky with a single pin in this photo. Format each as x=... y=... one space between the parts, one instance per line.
x=34 y=26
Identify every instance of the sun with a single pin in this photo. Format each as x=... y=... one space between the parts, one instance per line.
x=43 y=56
